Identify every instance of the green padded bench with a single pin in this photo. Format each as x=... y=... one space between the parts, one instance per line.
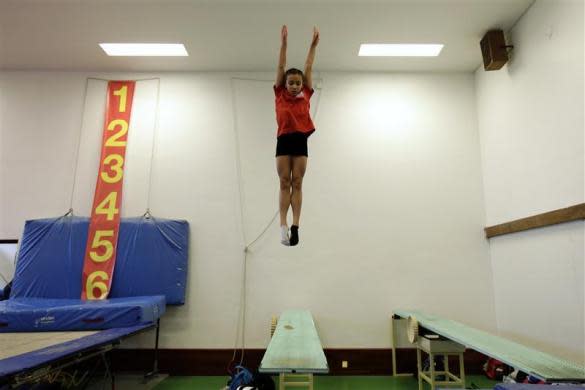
x=295 y=351
x=539 y=364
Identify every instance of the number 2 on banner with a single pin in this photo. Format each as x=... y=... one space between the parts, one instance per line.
x=113 y=140
x=108 y=206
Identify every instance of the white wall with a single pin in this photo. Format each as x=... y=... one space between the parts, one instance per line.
x=1 y=148
x=7 y=257
x=393 y=200
x=531 y=125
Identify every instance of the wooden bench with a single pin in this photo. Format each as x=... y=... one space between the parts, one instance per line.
x=536 y=363
x=295 y=351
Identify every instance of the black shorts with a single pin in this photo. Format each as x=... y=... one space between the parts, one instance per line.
x=292 y=144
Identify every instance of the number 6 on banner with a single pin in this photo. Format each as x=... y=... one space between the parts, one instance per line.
x=91 y=284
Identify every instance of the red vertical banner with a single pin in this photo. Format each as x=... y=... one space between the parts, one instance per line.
x=104 y=225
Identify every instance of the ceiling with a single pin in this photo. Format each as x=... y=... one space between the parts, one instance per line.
x=244 y=35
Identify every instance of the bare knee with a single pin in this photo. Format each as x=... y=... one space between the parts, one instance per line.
x=285 y=183
x=297 y=183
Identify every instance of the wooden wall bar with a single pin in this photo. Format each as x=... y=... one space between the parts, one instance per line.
x=568 y=214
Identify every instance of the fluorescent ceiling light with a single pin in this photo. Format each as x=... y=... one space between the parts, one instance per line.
x=399 y=50
x=145 y=49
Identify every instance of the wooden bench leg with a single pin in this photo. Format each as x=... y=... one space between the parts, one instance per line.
x=462 y=370
x=419 y=369
x=283 y=384
x=432 y=368
x=446 y=365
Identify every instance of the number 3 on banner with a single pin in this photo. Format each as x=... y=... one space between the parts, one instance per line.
x=115 y=167
x=91 y=284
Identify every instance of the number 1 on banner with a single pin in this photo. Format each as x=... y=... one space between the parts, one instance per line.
x=122 y=93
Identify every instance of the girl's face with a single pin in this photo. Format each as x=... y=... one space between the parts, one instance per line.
x=294 y=84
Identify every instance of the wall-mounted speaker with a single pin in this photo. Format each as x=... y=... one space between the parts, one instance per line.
x=494 y=50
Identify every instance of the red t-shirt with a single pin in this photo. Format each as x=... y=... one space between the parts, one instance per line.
x=293 y=112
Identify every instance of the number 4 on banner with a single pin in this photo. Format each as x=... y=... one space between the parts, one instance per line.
x=108 y=206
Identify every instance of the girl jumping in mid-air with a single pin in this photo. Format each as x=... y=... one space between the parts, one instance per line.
x=293 y=90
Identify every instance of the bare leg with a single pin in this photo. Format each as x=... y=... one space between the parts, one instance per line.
x=299 y=166
x=283 y=168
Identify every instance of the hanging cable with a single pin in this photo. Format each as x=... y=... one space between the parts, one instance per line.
x=154 y=137
x=76 y=151
x=241 y=204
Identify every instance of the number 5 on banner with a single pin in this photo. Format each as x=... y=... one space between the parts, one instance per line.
x=99 y=243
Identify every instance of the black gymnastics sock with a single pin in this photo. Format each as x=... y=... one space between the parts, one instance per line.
x=294 y=235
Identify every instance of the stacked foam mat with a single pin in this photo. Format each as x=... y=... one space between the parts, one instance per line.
x=150 y=272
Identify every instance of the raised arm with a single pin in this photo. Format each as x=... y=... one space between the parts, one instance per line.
x=282 y=57
x=310 y=59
